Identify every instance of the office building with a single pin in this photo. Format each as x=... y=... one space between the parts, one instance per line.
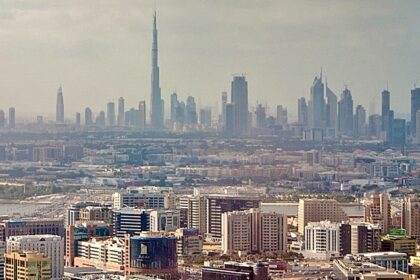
x=224 y=103
x=239 y=97
x=88 y=211
x=189 y=244
x=31 y=227
x=77 y=119
x=322 y=240
x=101 y=253
x=2 y=119
x=417 y=134
x=156 y=102
x=253 y=231
x=144 y=197
x=205 y=117
x=316 y=105
x=196 y=207
x=151 y=254
x=51 y=246
x=375 y=123
x=59 y=110
x=142 y=115
x=164 y=220
x=2 y=252
x=100 y=119
x=229 y=128
x=385 y=116
x=360 y=128
x=281 y=116
x=83 y=231
x=365 y=238
x=316 y=210
x=410 y=213
x=398 y=131
x=389 y=260
x=88 y=116
x=415 y=105
x=261 y=117
x=130 y=221
x=378 y=211
x=12 y=117
x=121 y=112
x=331 y=113
x=236 y=271
x=400 y=243
x=27 y=265
x=110 y=114
x=174 y=104
x=302 y=111
x=345 y=113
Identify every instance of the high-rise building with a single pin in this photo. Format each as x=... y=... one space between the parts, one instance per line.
x=164 y=220
x=239 y=97
x=10 y=228
x=365 y=238
x=121 y=112
x=360 y=128
x=224 y=103
x=260 y=116
x=2 y=252
x=331 y=113
x=59 y=109
x=2 y=119
x=316 y=210
x=316 y=106
x=322 y=240
x=142 y=113
x=88 y=116
x=254 y=231
x=27 y=265
x=417 y=134
x=378 y=211
x=130 y=221
x=151 y=254
x=174 y=105
x=110 y=114
x=77 y=119
x=229 y=128
x=189 y=243
x=51 y=246
x=345 y=113
x=191 y=111
x=281 y=116
x=156 y=102
x=12 y=117
x=385 y=110
x=147 y=197
x=100 y=119
x=415 y=105
x=205 y=117
x=375 y=125
x=410 y=213
x=302 y=111
x=398 y=131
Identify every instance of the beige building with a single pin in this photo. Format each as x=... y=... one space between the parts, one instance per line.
x=253 y=231
x=24 y=266
x=378 y=211
x=411 y=216
x=316 y=210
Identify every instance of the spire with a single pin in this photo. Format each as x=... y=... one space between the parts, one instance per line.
x=320 y=75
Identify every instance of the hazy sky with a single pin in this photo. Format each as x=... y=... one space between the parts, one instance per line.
x=100 y=50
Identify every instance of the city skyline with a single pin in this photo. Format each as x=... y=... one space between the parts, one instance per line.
x=271 y=86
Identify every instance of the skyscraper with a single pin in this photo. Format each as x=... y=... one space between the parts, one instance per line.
x=302 y=111
x=316 y=108
x=360 y=121
x=110 y=114
x=385 y=116
x=12 y=116
x=239 y=97
x=281 y=115
x=331 y=112
x=2 y=119
x=77 y=119
x=345 y=113
x=88 y=116
x=59 y=109
x=142 y=113
x=156 y=108
x=260 y=116
x=415 y=105
x=191 y=109
x=224 y=102
x=121 y=112
x=174 y=104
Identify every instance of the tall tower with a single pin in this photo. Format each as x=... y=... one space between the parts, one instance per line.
x=239 y=97
x=156 y=108
x=121 y=112
x=59 y=109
